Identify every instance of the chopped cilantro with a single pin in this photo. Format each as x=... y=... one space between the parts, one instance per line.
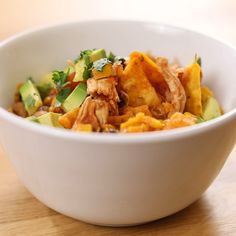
x=31 y=79
x=198 y=60
x=86 y=60
x=85 y=53
x=87 y=73
x=76 y=60
x=88 y=65
x=87 y=69
x=82 y=54
x=60 y=80
x=99 y=64
x=60 y=77
x=62 y=95
x=111 y=57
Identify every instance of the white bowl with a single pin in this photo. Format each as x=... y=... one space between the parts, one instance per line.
x=114 y=179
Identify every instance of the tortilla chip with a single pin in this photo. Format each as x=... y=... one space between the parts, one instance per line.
x=150 y=68
x=193 y=89
x=141 y=123
x=136 y=84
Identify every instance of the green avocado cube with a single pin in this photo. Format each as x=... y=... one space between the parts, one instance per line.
x=97 y=54
x=83 y=62
x=45 y=85
x=30 y=97
x=32 y=118
x=211 y=109
x=50 y=119
x=76 y=98
x=79 y=70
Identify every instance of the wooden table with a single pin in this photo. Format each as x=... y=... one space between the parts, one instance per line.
x=213 y=215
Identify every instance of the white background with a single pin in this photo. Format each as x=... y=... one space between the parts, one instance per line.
x=214 y=17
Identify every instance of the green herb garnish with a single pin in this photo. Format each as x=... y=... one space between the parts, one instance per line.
x=87 y=73
x=198 y=60
x=59 y=78
x=99 y=64
x=88 y=64
x=87 y=69
x=111 y=57
x=85 y=53
x=62 y=95
x=31 y=79
x=82 y=54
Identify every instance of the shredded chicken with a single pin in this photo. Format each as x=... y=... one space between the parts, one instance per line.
x=177 y=91
x=102 y=111
x=94 y=112
x=105 y=89
x=101 y=103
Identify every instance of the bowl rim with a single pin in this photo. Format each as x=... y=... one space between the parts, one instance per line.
x=125 y=138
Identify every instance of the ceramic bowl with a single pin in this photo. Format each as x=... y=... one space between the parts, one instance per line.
x=115 y=179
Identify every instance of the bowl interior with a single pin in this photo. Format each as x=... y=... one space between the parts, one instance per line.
x=38 y=52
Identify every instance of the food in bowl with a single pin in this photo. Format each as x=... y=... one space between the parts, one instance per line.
x=101 y=92
x=116 y=179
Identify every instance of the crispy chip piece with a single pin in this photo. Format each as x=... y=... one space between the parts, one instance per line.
x=193 y=89
x=67 y=120
x=154 y=73
x=150 y=68
x=83 y=127
x=135 y=110
x=136 y=84
x=178 y=120
x=127 y=113
x=141 y=123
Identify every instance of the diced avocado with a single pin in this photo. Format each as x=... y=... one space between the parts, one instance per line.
x=45 y=85
x=76 y=98
x=47 y=79
x=97 y=54
x=79 y=69
x=211 y=109
x=32 y=118
x=30 y=97
x=107 y=71
x=87 y=59
x=50 y=119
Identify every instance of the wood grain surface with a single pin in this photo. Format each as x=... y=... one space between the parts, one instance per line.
x=213 y=215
